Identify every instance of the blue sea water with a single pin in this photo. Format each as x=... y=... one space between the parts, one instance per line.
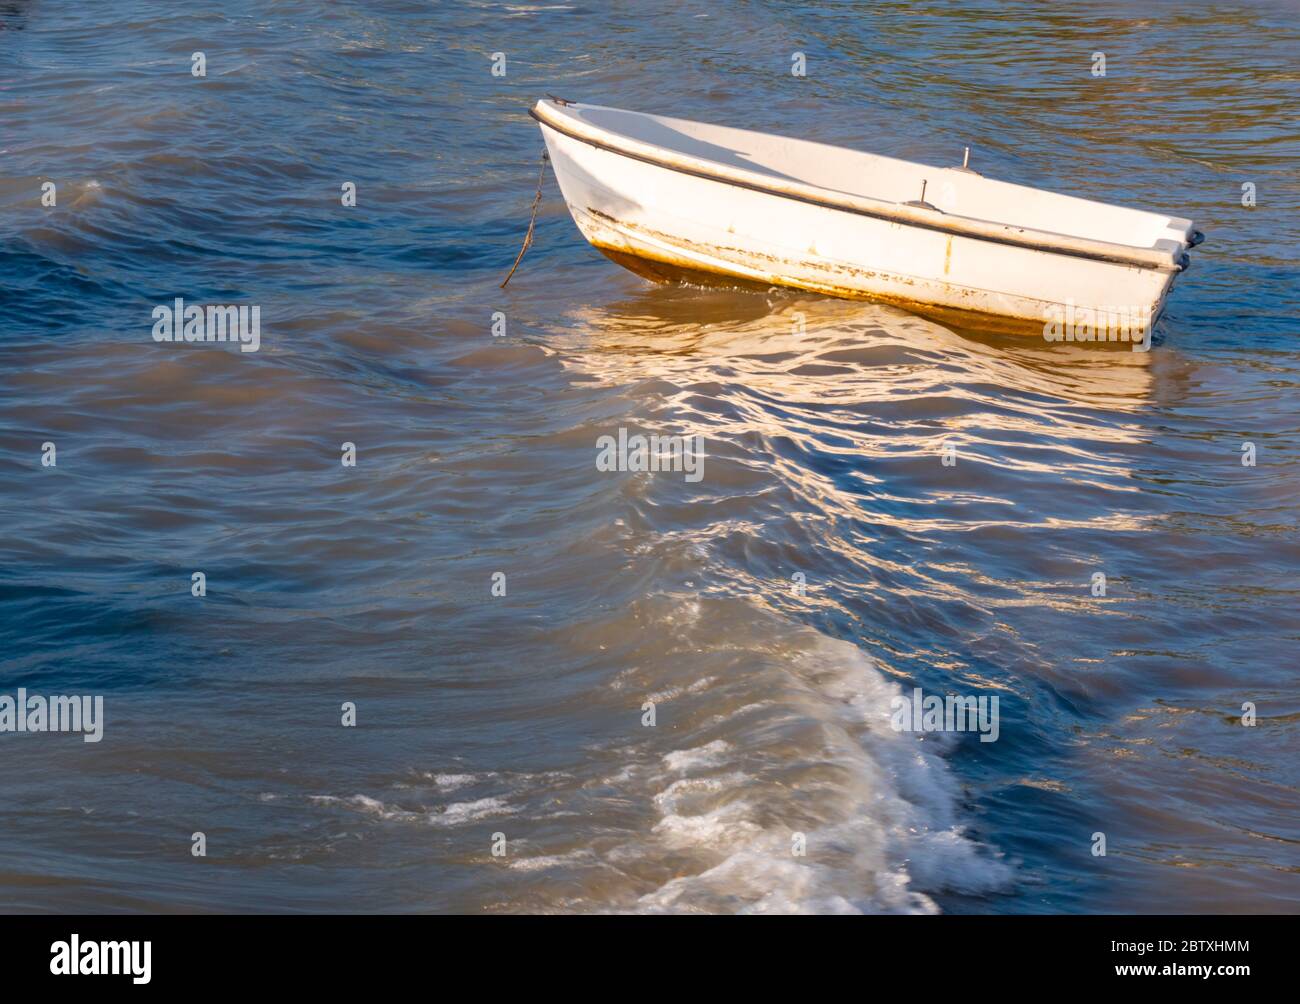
x=521 y=715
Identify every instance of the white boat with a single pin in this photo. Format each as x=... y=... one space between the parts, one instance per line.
x=672 y=200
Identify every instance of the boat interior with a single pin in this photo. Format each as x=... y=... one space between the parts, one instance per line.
x=950 y=190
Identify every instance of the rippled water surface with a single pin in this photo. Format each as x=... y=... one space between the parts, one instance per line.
x=522 y=715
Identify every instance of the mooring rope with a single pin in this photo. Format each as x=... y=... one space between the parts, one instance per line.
x=532 y=220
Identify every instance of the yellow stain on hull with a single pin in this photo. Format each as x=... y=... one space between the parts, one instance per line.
x=667 y=270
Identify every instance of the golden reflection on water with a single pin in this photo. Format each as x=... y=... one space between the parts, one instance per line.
x=866 y=351
x=834 y=412
x=858 y=383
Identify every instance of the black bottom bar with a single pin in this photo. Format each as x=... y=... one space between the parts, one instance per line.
x=340 y=953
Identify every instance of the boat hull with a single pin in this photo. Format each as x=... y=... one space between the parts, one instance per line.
x=668 y=224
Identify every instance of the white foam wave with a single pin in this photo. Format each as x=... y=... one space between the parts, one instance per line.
x=453 y=814
x=466 y=812
x=871 y=824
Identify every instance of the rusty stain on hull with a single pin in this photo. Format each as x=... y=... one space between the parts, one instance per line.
x=663 y=269
x=659 y=270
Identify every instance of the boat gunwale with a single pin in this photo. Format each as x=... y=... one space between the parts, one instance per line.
x=1052 y=243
